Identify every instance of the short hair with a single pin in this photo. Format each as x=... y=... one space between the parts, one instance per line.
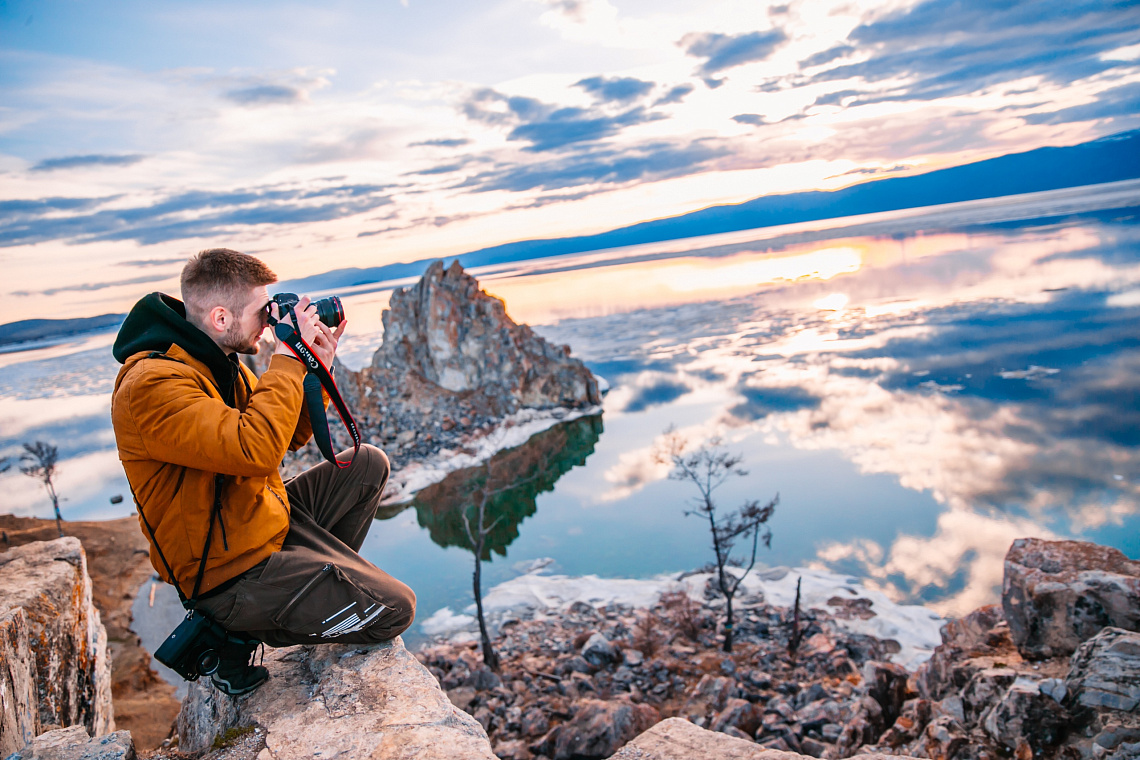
x=221 y=277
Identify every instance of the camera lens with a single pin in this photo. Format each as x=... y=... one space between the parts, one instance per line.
x=208 y=662
x=330 y=311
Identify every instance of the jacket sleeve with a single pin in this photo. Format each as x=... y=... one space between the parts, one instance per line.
x=179 y=422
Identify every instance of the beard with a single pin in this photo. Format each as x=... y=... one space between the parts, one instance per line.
x=239 y=343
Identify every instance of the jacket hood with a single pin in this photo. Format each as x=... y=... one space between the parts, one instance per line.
x=157 y=322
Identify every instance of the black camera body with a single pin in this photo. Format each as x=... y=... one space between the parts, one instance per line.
x=329 y=310
x=194 y=648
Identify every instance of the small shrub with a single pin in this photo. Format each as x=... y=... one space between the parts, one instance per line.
x=685 y=614
x=647 y=636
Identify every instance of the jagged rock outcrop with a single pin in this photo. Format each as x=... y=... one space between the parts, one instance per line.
x=333 y=700
x=678 y=739
x=1057 y=594
x=48 y=582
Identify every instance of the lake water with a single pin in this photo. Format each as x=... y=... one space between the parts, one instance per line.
x=919 y=388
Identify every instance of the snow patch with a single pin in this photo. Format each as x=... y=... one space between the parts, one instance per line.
x=535 y=595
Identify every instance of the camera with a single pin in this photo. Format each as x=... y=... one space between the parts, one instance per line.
x=194 y=648
x=329 y=310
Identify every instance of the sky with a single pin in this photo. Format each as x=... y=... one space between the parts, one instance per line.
x=362 y=133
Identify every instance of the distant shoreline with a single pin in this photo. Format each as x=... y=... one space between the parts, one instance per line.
x=36 y=333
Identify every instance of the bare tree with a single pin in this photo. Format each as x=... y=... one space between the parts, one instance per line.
x=708 y=467
x=39 y=462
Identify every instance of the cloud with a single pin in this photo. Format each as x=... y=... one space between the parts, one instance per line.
x=615 y=89
x=79 y=162
x=453 y=142
x=549 y=127
x=674 y=95
x=941 y=48
x=652 y=161
x=89 y=286
x=827 y=56
x=190 y=214
x=265 y=94
x=1118 y=101
x=749 y=118
x=724 y=51
x=759 y=402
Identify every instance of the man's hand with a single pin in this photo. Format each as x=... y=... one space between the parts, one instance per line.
x=324 y=344
x=320 y=338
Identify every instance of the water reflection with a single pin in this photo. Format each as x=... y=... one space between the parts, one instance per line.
x=513 y=479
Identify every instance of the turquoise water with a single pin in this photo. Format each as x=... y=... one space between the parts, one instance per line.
x=918 y=390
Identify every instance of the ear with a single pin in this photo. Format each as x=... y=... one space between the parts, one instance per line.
x=218 y=319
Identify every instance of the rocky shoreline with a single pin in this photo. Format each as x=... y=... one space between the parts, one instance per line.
x=1055 y=674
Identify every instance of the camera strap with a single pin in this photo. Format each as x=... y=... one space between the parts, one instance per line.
x=317 y=378
x=188 y=603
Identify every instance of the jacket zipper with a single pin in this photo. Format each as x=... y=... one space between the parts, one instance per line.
x=267 y=488
x=302 y=593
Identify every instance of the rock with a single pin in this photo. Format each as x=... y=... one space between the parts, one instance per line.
x=1024 y=714
x=515 y=749
x=1054 y=688
x=886 y=684
x=49 y=581
x=984 y=689
x=1057 y=594
x=739 y=714
x=1115 y=734
x=19 y=715
x=942 y=738
x=909 y=725
x=376 y=702
x=979 y=634
x=678 y=739
x=534 y=722
x=708 y=696
x=456 y=336
x=599 y=652
x=75 y=743
x=1105 y=671
x=813 y=748
x=461 y=696
x=599 y=728
x=632 y=657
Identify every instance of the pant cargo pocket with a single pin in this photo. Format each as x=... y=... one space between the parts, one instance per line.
x=328 y=605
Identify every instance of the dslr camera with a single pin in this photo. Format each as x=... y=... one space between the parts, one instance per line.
x=329 y=310
x=195 y=647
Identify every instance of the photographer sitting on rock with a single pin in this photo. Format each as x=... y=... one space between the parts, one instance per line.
x=194 y=427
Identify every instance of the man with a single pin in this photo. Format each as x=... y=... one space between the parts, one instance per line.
x=282 y=565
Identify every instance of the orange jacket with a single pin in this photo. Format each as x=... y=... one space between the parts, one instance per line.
x=175 y=432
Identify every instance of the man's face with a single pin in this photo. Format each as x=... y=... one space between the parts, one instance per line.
x=244 y=332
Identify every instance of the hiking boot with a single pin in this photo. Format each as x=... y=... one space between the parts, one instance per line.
x=236 y=673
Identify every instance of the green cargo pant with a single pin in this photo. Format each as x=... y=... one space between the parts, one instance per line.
x=318 y=589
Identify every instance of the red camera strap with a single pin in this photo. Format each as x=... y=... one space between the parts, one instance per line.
x=318 y=377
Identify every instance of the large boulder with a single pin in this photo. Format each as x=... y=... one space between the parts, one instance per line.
x=48 y=580
x=331 y=700
x=1057 y=594
x=19 y=713
x=678 y=739
x=75 y=744
x=1105 y=671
